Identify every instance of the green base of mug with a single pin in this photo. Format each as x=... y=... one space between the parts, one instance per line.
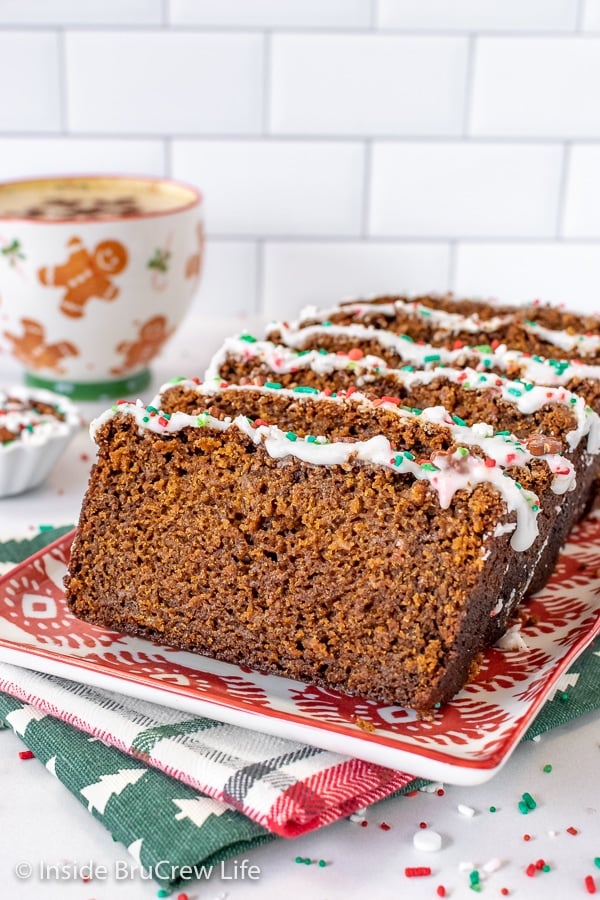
x=93 y=390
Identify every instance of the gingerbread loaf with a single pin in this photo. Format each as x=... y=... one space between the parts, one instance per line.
x=361 y=546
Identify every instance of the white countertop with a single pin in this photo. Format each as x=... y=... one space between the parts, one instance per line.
x=41 y=822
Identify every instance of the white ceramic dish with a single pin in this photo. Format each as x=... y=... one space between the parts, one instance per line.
x=42 y=438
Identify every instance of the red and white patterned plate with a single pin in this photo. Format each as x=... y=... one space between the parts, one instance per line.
x=466 y=743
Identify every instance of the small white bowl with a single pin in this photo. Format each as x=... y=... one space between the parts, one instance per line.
x=42 y=436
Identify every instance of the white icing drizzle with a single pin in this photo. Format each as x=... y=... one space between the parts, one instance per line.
x=33 y=428
x=447 y=474
x=583 y=344
x=504 y=449
x=527 y=396
x=451 y=323
x=454 y=323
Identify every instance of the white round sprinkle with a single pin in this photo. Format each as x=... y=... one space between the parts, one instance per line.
x=428 y=840
x=465 y=810
x=465 y=866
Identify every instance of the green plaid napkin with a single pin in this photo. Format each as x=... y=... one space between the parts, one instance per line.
x=161 y=819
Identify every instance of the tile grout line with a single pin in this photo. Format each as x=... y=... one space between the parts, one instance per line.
x=266 y=83
x=62 y=81
x=366 y=189
x=562 y=192
x=259 y=300
x=470 y=78
x=452 y=254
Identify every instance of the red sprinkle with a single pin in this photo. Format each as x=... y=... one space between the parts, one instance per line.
x=530 y=870
x=182 y=897
x=162 y=421
x=590 y=884
x=540 y=863
x=440 y=890
x=457 y=345
x=490 y=463
x=355 y=353
x=526 y=837
x=26 y=754
x=572 y=830
x=258 y=422
x=504 y=891
x=440 y=792
x=417 y=871
x=384 y=826
x=364 y=823
x=422 y=824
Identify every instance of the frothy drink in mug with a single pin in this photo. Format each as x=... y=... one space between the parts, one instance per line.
x=89 y=199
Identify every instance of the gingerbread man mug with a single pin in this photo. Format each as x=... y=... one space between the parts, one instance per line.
x=88 y=266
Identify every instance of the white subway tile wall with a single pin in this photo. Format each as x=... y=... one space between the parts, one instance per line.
x=344 y=147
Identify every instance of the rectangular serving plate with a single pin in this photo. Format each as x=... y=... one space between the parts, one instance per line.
x=466 y=742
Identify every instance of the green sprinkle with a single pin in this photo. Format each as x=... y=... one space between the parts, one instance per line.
x=307 y=861
x=326 y=324
x=202 y=420
x=535 y=507
x=597 y=862
x=545 y=867
x=305 y=389
x=492 y=809
x=145 y=418
x=523 y=808
x=458 y=421
x=573 y=400
x=429 y=467
x=152 y=409
x=515 y=392
x=408 y=454
x=462 y=451
x=474 y=877
x=519 y=486
x=529 y=386
x=432 y=357
x=416 y=410
x=248 y=338
x=547 y=768
x=273 y=384
x=407 y=369
x=528 y=799
x=177 y=379
x=299 y=859
x=115 y=408
x=162 y=893
x=407 y=337
x=322 y=350
x=45 y=527
x=322 y=863
x=310 y=439
x=291 y=436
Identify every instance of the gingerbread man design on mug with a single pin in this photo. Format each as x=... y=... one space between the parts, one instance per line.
x=152 y=334
x=32 y=348
x=86 y=275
